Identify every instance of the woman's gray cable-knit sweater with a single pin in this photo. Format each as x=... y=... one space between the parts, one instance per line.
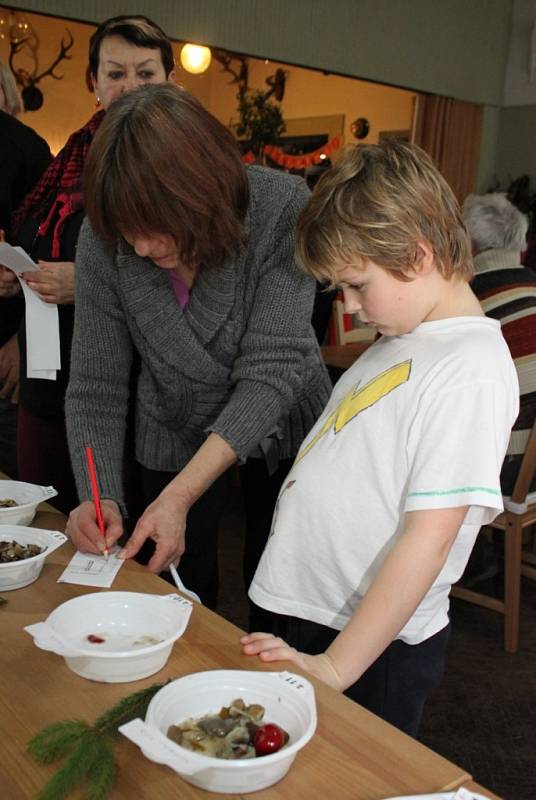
x=241 y=360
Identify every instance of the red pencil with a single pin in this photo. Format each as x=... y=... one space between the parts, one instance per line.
x=96 y=495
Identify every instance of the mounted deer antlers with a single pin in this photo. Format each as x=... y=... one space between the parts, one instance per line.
x=240 y=75
x=277 y=83
x=32 y=97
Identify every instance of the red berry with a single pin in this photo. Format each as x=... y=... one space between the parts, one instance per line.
x=94 y=639
x=268 y=739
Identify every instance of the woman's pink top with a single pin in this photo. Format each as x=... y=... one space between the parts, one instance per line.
x=182 y=292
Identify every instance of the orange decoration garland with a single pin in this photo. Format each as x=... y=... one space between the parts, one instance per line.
x=295 y=162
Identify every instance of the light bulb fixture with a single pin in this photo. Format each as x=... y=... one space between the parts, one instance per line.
x=195 y=58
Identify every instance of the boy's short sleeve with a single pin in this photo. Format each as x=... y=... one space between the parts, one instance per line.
x=455 y=450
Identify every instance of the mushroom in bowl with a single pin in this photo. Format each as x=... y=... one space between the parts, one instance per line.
x=288 y=701
x=19 y=501
x=23 y=552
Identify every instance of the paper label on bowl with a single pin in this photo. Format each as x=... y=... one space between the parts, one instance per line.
x=87 y=569
x=48 y=492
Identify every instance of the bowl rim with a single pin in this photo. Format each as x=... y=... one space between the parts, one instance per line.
x=4 y=537
x=242 y=764
x=23 y=506
x=124 y=654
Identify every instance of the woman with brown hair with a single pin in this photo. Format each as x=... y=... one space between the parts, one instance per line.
x=188 y=261
x=124 y=53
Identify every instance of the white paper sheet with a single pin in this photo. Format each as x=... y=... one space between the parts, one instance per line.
x=42 y=322
x=89 y=570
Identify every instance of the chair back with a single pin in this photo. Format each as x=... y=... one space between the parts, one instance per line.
x=344 y=329
x=526 y=470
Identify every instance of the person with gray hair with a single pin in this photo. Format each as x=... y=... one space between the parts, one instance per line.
x=9 y=97
x=494 y=223
x=24 y=155
x=507 y=291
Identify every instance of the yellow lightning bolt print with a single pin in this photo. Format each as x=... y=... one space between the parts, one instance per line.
x=358 y=400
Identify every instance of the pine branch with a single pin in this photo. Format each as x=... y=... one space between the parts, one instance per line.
x=56 y=740
x=130 y=707
x=89 y=750
x=88 y=755
x=102 y=779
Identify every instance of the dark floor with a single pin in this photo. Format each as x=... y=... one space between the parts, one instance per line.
x=483 y=716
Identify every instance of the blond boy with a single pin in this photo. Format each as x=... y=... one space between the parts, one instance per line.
x=381 y=509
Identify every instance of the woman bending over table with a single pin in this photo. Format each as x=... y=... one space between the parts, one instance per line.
x=124 y=53
x=188 y=261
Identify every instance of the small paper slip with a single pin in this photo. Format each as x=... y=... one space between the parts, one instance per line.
x=89 y=570
x=42 y=321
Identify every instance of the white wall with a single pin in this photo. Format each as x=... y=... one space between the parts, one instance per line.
x=520 y=76
x=456 y=48
x=516 y=150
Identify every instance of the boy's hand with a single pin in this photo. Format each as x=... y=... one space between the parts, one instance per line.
x=271 y=648
x=84 y=532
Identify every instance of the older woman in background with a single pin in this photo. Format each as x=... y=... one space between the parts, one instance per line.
x=188 y=262
x=124 y=53
x=507 y=292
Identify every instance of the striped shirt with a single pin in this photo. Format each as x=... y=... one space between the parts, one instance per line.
x=507 y=292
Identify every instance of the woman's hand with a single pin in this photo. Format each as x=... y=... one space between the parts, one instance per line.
x=9 y=285
x=271 y=648
x=54 y=283
x=84 y=532
x=164 y=521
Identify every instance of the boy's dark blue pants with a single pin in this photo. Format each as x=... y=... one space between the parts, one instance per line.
x=396 y=685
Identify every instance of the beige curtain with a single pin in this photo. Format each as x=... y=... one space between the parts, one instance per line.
x=450 y=132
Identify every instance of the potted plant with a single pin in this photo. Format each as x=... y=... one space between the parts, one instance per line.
x=260 y=120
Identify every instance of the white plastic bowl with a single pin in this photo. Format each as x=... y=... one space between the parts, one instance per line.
x=121 y=619
x=289 y=702
x=27 y=496
x=17 y=574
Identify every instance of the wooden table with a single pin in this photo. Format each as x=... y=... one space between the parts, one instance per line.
x=476 y=787
x=353 y=756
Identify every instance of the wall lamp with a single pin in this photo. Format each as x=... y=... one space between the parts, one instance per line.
x=195 y=58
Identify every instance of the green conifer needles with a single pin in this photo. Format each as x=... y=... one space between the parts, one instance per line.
x=88 y=749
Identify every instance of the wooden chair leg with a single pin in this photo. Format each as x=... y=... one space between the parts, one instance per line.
x=513 y=541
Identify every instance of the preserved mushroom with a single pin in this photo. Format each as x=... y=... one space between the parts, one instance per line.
x=230 y=734
x=13 y=551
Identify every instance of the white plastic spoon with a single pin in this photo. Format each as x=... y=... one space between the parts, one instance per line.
x=180 y=585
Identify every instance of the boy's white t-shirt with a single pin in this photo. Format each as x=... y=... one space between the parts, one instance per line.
x=420 y=421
